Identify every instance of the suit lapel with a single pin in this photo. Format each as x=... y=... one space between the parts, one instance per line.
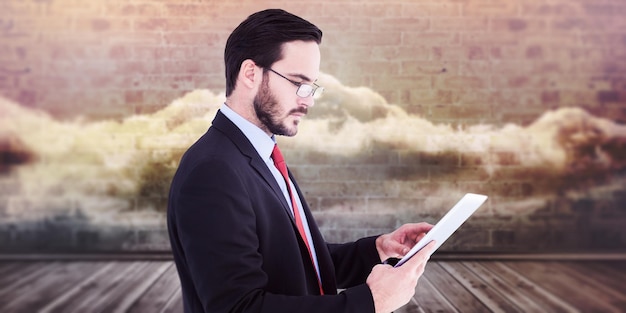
x=324 y=260
x=226 y=126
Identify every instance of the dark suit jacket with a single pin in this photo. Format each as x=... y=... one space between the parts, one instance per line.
x=236 y=246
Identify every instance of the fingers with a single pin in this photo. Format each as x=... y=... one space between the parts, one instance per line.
x=415 y=231
x=399 y=249
x=422 y=227
x=421 y=257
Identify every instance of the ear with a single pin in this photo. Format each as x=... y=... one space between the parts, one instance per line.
x=249 y=74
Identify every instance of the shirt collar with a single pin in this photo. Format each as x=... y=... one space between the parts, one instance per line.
x=262 y=143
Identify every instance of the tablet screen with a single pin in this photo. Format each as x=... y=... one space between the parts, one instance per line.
x=449 y=223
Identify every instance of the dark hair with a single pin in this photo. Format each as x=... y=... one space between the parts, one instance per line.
x=260 y=38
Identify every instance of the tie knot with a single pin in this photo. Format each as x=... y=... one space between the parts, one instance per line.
x=279 y=161
x=277 y=156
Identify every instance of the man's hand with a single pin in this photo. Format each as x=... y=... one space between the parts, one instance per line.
x=399 y=242
x=393 y=287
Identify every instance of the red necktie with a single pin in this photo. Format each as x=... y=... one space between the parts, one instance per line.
x=279 y=162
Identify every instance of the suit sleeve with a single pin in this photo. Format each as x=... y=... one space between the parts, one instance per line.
x=354 y=261
x=215 y=224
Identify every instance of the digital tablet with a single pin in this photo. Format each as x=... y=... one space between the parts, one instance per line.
x=449 y=223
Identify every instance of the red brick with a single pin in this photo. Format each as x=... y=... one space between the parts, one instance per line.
x=610 y=9
x=133 y=96
x=446 y=53
x=364 y=24
x=18 y=8
x=7 y=82
x=534 y=52
x=378 y=67
x=138 y=67
x=133 y=38
x=403 y=82
x=603 y=39
x=188 y=66
x=154 y=100
x=412 y=9
x=113 y=8
x=27 y=97
x=368 y=39
x=476 y=53
x=351 y=9
x=460 y=82
x=434 y=38
x=400 y=53
x=214 y=80
x=464 y=24
x=518 y=25
x=191 y=38
x=491 y=8
x=550 y=97
x=555 y=9
x=396 y=24
x=187 y=9
x=479 y=101
x=570 y=23
x=428 y=67
x=100 y=24
x=332 y=22
x=162 y=24
x=120 y=52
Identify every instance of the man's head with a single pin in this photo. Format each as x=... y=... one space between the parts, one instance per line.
x=272 y=62
x=260 y=38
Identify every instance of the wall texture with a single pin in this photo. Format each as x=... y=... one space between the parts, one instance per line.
x=521 y=100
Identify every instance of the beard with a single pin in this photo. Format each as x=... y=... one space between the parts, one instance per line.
x=268 y=111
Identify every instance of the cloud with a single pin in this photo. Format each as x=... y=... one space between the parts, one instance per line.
x=349 y=120
x=106 y=168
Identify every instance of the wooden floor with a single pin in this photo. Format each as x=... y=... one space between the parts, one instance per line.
x=447 y=286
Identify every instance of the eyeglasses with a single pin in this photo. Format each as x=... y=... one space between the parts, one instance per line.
x=304 y=90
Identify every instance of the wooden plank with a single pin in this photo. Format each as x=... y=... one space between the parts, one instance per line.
x=429 y=299
x=603 y=273
x=615 y=297
x=543 y=298
x=489 y=296
x=174 y=304
x=504 y=287
x=121 y=292
x=20 y=276
x=8 y=267
x=617 y=265
x=157 y=296
x=79 y=298
x=137 y=287
x=17 y=272
x=153 y=286
x=455 y=293
x=572 y=290
x=22 y=284
x=49 y=286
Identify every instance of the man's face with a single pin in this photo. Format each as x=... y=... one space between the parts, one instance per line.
x=276 y=104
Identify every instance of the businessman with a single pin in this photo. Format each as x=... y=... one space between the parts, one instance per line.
x=242 y=235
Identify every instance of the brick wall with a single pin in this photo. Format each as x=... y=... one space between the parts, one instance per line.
x=508 y=61
x=452 y=62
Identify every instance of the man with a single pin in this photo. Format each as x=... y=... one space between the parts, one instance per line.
x=242 y=236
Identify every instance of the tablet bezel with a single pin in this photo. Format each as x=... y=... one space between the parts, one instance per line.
x=448 y=224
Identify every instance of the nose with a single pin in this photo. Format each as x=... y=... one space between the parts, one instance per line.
x=308 y=101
